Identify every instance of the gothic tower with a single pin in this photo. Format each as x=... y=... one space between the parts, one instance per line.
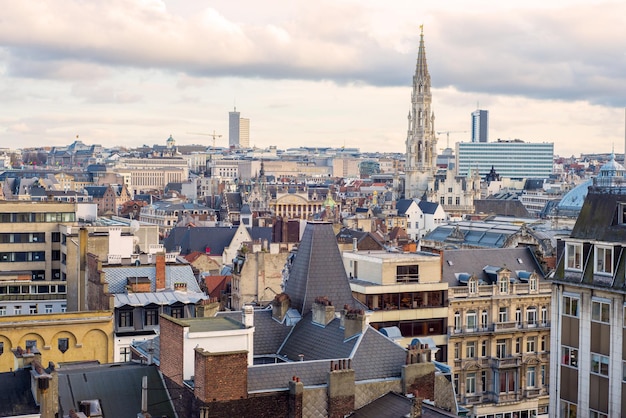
x=421 y=143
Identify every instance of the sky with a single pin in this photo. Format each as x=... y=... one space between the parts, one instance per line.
x=324 y=73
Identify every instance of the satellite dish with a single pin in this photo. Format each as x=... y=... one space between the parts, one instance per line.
x=134 y=225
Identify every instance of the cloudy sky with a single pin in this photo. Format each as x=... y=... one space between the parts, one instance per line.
x=310 y=73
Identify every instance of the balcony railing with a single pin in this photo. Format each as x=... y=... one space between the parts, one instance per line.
x=498 y=327
x=506 y=362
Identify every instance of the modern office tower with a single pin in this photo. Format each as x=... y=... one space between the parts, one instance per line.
x=244 y=133
x=421 y=142
x=233 y=128
x=588 y=353
x=480 y=125
x=512 y=159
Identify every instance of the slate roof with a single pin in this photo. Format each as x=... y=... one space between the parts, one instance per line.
x=269 y=334
x=473 y=261
x=96 y=191
x=377 y=357
x=403 y=205
x=116 y=386
x=167 y=297
x=264 y=377
x=116 y=277
x=318 y=270
x=16 y=397
x=316 y=342
x=390 y=405
x=598 y=217
x=216 y=238
x=428 y=207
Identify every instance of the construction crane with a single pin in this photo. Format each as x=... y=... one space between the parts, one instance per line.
x=448 y=135
x=213 y=135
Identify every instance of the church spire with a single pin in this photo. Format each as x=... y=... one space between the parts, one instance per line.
x=421 y=143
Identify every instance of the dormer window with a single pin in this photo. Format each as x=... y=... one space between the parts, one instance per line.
x=472 y=285
x=603 y=260
x=503 y=284
x=573 y=256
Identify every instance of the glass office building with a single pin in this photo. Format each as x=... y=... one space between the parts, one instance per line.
x=512 y=159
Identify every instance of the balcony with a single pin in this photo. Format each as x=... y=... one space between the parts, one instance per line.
x=506 y=397
x=532 y=392
x=503 y=363
x=469 y=331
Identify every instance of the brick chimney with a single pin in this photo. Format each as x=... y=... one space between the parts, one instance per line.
x=160 y=271
x=296 y=391
x=341 y=389
x=419 y=372
x=207 y=308
x=353 y=321
x=280 y=306
x=323 y=311
x=220 y=376
x=416 y=405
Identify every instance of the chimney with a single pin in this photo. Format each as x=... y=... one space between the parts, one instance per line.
x=354 y=321
x=296 y=391
x=280 y=306
x=341 y=389
x=247 y=316
x=416 y=405
x=207 y=308
x=160 y=271
x=323 y=311
x=355 y=246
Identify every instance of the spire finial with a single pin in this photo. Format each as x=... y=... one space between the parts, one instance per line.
x=422 y=29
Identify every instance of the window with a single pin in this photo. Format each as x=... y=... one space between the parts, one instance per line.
x=407 y=273
x=470 y=318
x=48 y=308
x=569 y=356
x=568 y=409
x=56 y=237
x=503 y=315
x=501 y=348
x=31 y=343
x=177 y=312
x=600 y=311
x=573 y=254
x=604 y=260
x=503 y=282
x=543 y=375
x=32 y=309
x=531 y=344
x=56 y=255
x=532 y=283
x=124 y=354
x=483 y=319
x=518 y=345
x=151 y=317
x=456 y=382
x=470 y=383
x=3 y=310
x=17 y=310
x=597 y=414
x=458 y=201
x=518 y=317
x=508 y=381
x=64 y=344
x=1 y=348
x=543 y=343
x=472 y=285
x=64 y=308
x=125 y=319
x=483 y=380
x=544 y=315
x=599 y=364
x=530 y=377
x=483 y=348
x=457 y=321
x=470 y=349
x=531 y=316
x=457 y=351
x=570 y=306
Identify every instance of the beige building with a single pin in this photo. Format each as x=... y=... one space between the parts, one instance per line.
x=57 y=337
x=244 y=133
x=499 y=331
x=402 y=291
x=145 y=174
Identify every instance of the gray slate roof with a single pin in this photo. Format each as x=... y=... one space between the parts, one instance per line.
x=316 y=342
x=377 y=357
x=473 y=261
x=16 y=397
x=116 y=277
x=166 y=297
x=317 y=270
x=390 y=405
x=269 y=334
x=264 y=377
x=118 y=387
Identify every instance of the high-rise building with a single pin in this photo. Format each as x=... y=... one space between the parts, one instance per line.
x=480 y=125
x=512 y=159
x=421 y=142
x=233 y=128
x=244 y=133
